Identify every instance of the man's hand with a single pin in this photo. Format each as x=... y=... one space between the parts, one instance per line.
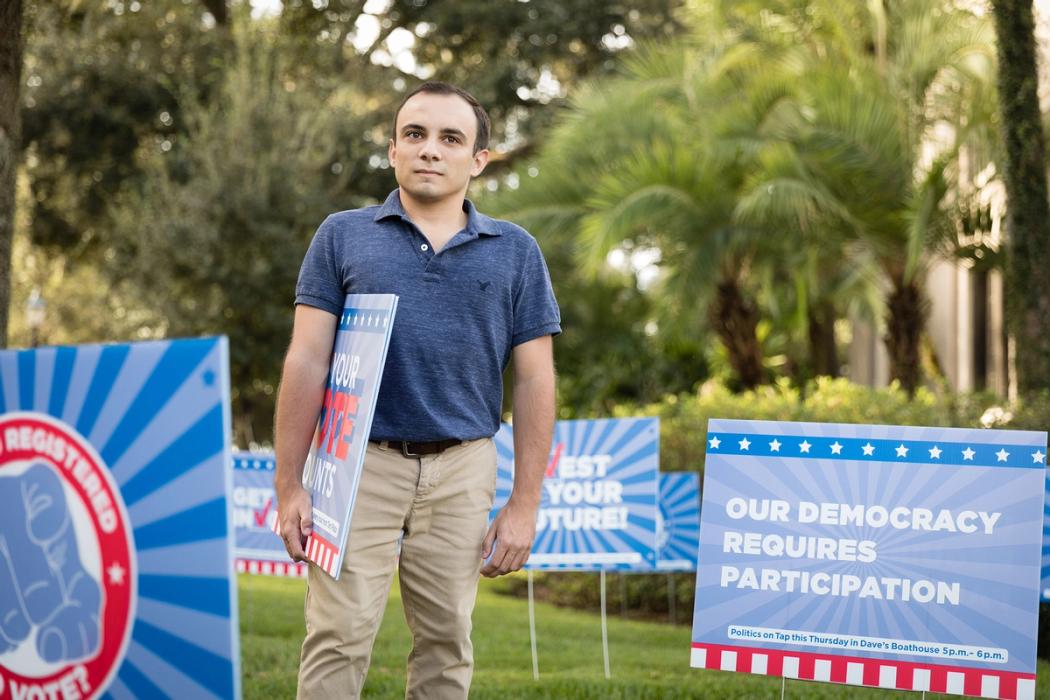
x=43 y=585
x=295 y=514
x=514 y=528
x=510 y=535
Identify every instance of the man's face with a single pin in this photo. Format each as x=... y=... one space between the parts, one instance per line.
x=433 y=149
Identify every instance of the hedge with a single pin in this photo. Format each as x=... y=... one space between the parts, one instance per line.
x=683 y=431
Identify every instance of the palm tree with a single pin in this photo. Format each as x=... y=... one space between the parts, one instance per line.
x=679 y=198
x=627 y=168
x=632 y=166
x=798 y=142
x=887 y=100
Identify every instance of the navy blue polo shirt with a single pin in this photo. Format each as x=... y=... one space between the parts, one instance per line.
x=461 y=310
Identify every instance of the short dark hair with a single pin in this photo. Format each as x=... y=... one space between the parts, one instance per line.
x=437 y=87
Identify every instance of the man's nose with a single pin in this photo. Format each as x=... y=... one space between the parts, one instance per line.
x=430 y=150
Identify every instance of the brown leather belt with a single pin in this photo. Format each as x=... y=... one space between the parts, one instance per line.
x=418 y=449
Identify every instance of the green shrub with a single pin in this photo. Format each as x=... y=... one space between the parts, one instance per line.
x=647 y=596
x=683 y=437
x=683 y=417
x=1031 y=413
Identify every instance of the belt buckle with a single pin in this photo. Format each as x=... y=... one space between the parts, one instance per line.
x=404 y=451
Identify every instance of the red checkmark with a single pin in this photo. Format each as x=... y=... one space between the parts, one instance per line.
x=552 y=466
x=260 y=515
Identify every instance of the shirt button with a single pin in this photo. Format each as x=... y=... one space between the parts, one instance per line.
x=424 y=247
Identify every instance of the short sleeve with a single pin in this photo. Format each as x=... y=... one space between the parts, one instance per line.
x=320 y=281
x=536 y=310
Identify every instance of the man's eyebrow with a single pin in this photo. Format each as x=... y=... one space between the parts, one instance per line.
x=448 y=130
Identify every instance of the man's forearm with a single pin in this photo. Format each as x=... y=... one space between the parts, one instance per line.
x=533 y=429
x=298 y=404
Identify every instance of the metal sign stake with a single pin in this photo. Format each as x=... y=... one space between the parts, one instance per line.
x=605 y=631
x=532 y=632
x=623 y=594
x=672 y=599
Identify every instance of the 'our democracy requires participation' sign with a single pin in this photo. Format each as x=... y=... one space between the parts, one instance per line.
x=884 y=556
x=115 y=564
x=598 y=508
x=333 y=465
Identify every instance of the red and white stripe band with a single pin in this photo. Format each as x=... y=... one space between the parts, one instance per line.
x=271 y=568
x=874 y=673
x=322 y=552
x=318 y=550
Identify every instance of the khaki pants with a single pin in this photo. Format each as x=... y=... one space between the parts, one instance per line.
x=441 y=503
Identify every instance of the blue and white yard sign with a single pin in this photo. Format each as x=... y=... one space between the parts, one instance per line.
x=895 y=557
x=598 y=508
x=256 y=550
x=678 y=527
x=1045 y=586
x=333 y=466
x=116 y=578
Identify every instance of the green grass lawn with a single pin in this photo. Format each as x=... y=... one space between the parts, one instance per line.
x=649 y=660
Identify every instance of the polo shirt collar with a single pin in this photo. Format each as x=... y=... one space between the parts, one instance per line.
x=477 y=223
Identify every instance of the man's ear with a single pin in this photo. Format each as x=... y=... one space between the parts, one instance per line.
x=391 y=151
x=481 y=159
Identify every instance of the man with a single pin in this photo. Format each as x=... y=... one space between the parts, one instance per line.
x=473 y=293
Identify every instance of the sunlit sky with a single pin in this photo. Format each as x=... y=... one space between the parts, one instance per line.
x=397 y=46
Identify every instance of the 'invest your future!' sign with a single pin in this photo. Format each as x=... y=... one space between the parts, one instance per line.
x=895 y=557
x=598 y=505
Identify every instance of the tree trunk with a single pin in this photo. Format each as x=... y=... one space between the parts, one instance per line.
x=735 y=319
x=822 y=349
x=1028 y=213
x=10 y=143
x=979 y=319
x=906 y=317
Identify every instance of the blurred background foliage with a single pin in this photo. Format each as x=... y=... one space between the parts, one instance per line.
x=178 y=156
x=719 y=186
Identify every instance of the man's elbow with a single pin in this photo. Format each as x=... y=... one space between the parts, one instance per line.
x=304 y=367
x=539 y=381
